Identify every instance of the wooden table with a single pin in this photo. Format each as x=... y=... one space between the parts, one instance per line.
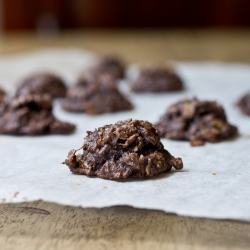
x=42 y=225
x=143 y=45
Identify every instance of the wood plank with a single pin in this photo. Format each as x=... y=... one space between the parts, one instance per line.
x=43 y=225
x=143 y=45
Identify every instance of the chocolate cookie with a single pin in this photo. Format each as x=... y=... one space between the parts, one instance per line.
x=196 y=121
x=45 y=83
x=99 y=95
x=2 y=93
x=31 y=114
x=244 y=104
x=155 y=78
x=2 y=97
x=109 y=64
x=87 y=77
x=126 y=149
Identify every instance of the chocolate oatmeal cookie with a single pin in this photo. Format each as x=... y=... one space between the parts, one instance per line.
x=126 y=149
x=45 y=83
x=109 y=64
x=196 y=121
x=88 y=77
x=156 y=78
x=244 y=104
x=2 y=94
x=31 y=114
x=96 y=96
x=2 y=97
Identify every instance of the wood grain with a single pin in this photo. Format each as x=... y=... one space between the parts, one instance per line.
x=143 y=45
x=42 y=225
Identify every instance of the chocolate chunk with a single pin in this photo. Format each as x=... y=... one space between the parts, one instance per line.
x=126 y=149
x=109 y=64
x=244 y=104
x=45 y=83
x=30 y=114
x=96 y=96
x=196 y=121
x=155 y=78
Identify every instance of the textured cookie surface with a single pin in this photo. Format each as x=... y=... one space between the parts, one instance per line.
x=244 y=104
x=45 y=83
x=196 y=121
x=109 y=64
x=126 y=149
x=30 y=114
x=96 y=96
x=154 y=78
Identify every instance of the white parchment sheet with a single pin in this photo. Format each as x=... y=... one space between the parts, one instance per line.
x=215 y=180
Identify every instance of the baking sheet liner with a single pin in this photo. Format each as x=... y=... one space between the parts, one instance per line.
x=215 y=180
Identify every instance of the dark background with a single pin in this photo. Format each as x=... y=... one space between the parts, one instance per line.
x=60 y=14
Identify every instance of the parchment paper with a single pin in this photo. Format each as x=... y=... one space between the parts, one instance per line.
x=214 y=183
